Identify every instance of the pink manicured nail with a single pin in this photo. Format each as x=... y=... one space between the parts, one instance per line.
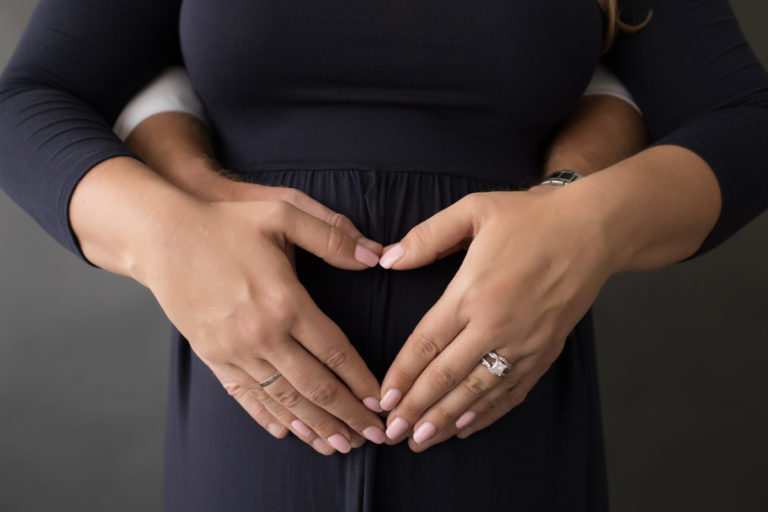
x=397 y=428
x=465 y=419
x=340 y=442
x=390 y=399
x=373 y=404
x=392 y=255
x=424 y=432
x=365 y=255
x=275 y=429
x=302 y=428
x=375 y=434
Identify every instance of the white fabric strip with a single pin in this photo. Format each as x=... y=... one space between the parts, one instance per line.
x=605 y=82
x=171 y=91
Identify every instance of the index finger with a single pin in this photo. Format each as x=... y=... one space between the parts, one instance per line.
x=327 y=342
x=317 y=209
x=439 y=326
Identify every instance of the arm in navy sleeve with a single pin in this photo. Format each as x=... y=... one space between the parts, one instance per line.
x=701 y=87
x=77 y=64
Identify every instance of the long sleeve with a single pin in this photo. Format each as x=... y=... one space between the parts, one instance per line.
x=701 y=87
x=77 y=64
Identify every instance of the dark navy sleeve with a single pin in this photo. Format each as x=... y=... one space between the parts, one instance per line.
x=701 y=87
x=77 y=64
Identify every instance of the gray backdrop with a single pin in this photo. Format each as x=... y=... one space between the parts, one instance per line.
x=681 y=351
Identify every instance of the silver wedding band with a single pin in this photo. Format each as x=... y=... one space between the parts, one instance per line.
x=270 y=380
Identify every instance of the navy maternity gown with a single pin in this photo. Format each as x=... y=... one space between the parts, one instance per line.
x=386 y=111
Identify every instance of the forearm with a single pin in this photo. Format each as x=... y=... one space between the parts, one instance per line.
x=600 y=131
x=177 y=146
x=650 y=210
x=119 y=211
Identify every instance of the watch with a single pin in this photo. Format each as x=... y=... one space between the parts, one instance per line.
x=561 y=178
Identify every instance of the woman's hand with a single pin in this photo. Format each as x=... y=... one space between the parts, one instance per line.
x=223 y=278
x=221 y=274
x=535 y=263
x=178 y=147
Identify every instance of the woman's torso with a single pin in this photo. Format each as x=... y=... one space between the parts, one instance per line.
x=465 y=88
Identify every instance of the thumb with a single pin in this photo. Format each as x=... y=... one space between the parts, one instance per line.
x=442 y=234
x=334 y=245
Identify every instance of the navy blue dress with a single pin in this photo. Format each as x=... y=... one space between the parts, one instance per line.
x=386 y=112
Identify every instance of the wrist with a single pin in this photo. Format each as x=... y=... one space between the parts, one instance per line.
x=162 y=226
x=556 y=179
x=653 y=209
x=119 y=210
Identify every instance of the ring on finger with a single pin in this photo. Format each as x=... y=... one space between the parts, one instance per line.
x=270 y=380
x=496 y=364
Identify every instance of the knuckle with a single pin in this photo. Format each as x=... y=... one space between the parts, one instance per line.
x=482 y=405
x=232 y=388
x=411 y=410
x=240 y=392
x=324 y=426
x=290 y=195
x=281 y=310
x=213 y=354
x=338 y=220
x=262 y=343
x=445 y=414
x=422 y=233
x=276 y=208
x=443 y=378
x=338 y=360
x=335 y=241
x=355 y=420
x=426 y=345
x=475 y=385
x=473 y=296
x=253 y=338
x=288 y=398
x=323 y=393
x=471 y=200
x=401 y=377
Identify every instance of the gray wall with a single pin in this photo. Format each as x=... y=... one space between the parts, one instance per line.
x=682 y=354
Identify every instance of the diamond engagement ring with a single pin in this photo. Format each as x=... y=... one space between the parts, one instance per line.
x=497 y=365
x=270 y=380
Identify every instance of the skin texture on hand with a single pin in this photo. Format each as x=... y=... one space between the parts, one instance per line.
x=177 y=146
x=221 y=273
x=650 y=210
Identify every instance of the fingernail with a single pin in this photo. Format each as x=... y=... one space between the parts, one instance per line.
x=397 y=428
x=465 y=419
x=375 y=434
x=340 y=442
x=373 y=404
x=275 y=429
x=392 y=255
x=424 y=432
x=321 y=445
x=365 y=255
x=390 y=399
x=302 y=428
